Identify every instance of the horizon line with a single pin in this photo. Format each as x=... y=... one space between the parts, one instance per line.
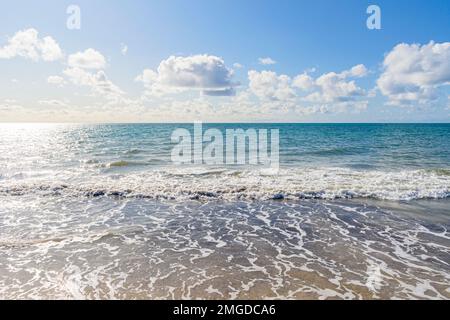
x=208 y=122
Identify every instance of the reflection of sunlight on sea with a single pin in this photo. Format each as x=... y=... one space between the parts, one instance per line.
x=134 y=160
x=29 y=151
x=98 y=211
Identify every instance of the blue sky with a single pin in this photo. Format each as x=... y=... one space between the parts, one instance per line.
x=321 y=40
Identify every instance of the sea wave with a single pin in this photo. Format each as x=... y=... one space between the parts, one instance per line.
x=264 y=184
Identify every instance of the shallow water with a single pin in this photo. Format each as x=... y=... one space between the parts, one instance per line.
x=116 y=248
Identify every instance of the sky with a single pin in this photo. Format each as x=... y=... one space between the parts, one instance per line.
x=224 y=61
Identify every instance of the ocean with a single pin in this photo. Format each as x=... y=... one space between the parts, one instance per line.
x=99 y=211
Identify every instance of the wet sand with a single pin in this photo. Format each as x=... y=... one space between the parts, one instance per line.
x=115 y=248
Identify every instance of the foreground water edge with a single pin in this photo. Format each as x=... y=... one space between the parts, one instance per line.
x=115 y=248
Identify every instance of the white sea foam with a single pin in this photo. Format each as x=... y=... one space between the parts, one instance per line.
x=132 y=249
x=198 y=183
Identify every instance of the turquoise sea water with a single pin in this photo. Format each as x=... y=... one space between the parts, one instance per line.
x=100 y=211
x=386 y=161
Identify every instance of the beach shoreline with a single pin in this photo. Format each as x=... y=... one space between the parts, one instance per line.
x=307 y=249
x=355 y=211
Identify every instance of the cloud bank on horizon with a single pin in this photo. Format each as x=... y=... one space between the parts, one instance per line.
x=204 y=86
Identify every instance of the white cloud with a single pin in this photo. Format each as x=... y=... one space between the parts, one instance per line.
x=330 y=92
x=148 y=77
x=54 y=103
x=98 y=82
x=201 y=72
x=88 y=59
x=303 y=81
x=357 y=71
x=412 y=73
x=266 y=61
x=328 y=88
x=123 y=49
x=269 y=85
x=56 y=80
x=334 y=87
x=334 y=92
x=28 y=45
x=79 y=74
x=9 y=105
x=237 y=65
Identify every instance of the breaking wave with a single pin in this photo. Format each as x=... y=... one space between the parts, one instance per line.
x=263 y=184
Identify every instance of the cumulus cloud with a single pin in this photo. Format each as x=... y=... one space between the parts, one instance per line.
x=28 y=45
x=413 y=72
x=334 y=92
x=98 y=82
x=148 y=77
x=357 y=71
x=329 y=87
x=201 y=72
x=88 y=59
x=86 y=69
x=330 y=92
x=303 y=81
x=266 y=61
x=335 y=87
x=268 y=85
